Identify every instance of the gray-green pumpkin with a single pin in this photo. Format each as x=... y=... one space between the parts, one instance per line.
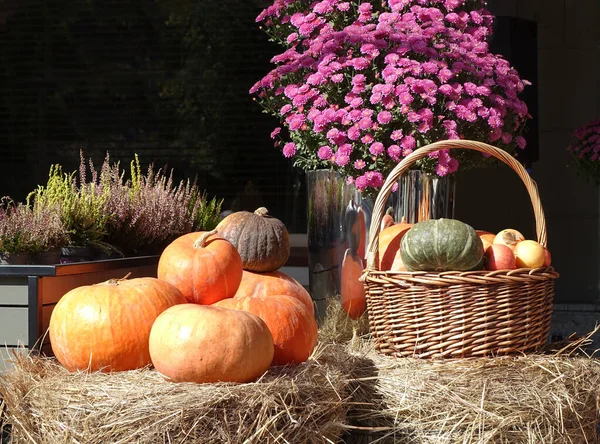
x=442 y=245
x=262 y=241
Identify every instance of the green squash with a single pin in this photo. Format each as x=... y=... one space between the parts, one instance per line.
x=442 y=245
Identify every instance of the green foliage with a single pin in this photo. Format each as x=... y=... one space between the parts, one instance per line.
x=204 y=213
x=81 y=208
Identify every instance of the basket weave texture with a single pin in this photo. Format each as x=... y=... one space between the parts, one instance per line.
x=455 y=314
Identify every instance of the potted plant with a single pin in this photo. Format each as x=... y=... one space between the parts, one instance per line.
x=361 y=84
x=134 y=217
x=27 y=235
x=148 y=211
x=585 y=150
x=81 y=209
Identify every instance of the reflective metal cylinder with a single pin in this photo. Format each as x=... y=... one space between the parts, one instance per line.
x=422 y=197
x=339 y=218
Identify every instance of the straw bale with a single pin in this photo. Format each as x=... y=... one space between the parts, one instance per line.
x=345 y=393
x=49 y=405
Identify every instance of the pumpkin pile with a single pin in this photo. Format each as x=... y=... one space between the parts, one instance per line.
x=451 y=245
x=218 y=311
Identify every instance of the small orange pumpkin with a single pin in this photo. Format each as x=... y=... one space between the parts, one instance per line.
x=353 y=297
x=387 y=221
x=273 y=283
x=486 y=237
x=203 y=266
x=197 y=343
x=293 y=327
x=389 y=244
x=106 y=326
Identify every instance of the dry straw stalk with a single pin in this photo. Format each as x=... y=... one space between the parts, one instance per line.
x=345 y=393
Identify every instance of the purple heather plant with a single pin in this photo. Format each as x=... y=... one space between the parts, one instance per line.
x=25 y=230
x=148 y=211
x=362 y=84
x=586 y=150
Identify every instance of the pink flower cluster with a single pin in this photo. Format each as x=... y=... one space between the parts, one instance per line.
x=587 y=141
x=363 y=84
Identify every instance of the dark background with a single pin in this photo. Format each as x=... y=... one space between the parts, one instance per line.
x=167 y=80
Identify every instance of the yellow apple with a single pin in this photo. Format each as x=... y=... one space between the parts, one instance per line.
x=529 y=254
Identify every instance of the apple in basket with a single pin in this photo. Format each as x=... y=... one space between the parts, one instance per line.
x=529 y=254
x=499 y=257
x=509 y=237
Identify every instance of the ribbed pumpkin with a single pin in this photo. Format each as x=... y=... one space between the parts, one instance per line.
x=203 y=266
x=196 y=343
x=262 y=241
x=293 y=327
x=354 y=301
x=106 y=326
x=273 y=283
x=441 y=245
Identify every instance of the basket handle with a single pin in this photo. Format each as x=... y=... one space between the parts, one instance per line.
x=408 y=161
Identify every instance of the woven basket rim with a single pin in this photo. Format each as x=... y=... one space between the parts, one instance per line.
x=446 y=278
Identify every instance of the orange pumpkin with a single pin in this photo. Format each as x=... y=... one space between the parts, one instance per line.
x=293 y=327
x=273 y=283
x=387 y=221
x=486 y=237
x=389 y=244
x=353 y=297
x=106 y=326
x=203 y=266
x=196 y=343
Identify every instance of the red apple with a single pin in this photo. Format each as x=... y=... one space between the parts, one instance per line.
x=547 y=257
x=499 y=257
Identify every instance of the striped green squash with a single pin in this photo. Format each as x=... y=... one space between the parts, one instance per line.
x=441 y=245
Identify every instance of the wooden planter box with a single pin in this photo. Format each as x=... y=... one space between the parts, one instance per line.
x=28 y=294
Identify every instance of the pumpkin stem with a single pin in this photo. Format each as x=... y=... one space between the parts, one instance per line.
x=201 y=241
x=262 y=211
x=115 y=281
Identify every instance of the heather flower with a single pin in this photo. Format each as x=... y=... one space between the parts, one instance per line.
x=27 y=230
x=397 y=74
x=148 y=211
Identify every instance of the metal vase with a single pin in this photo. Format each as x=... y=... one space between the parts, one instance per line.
x=339 y=218
x=423 y=196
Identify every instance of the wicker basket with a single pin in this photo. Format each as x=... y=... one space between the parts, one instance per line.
x=458 y=314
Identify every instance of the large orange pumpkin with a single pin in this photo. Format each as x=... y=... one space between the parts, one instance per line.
x=203 y=266
x=196 y=343
x=353 y=297
x=106 y=326
x=389 y=244
x=293 y=327
x=273 y=283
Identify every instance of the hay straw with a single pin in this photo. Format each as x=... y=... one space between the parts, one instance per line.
x=346 y=391
x=338 y=328
x=48 y=405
